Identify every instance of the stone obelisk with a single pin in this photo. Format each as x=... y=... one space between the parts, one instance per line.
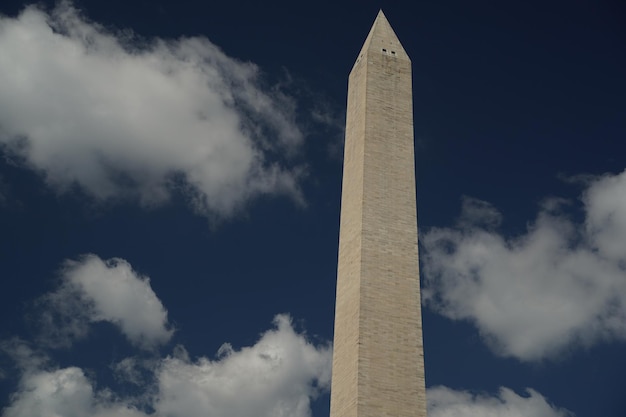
x=378 y=359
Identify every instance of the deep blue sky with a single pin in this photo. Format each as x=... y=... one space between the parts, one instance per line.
x=509 y=99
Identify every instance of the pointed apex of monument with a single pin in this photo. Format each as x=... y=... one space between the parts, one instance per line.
x=382 y=38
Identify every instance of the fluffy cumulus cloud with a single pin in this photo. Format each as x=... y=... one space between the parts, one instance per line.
x=64 y=392
x=93 y=290
x=446 y=402
x=278 y=376
x=126 y=119
x=559 y=285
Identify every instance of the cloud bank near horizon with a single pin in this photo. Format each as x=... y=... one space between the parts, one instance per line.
x=559 y=286
x=280 y=375
x=123 y=119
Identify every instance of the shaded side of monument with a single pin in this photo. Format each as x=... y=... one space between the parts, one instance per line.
x=378 y=359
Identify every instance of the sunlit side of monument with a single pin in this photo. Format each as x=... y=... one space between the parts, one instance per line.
x=378 y=360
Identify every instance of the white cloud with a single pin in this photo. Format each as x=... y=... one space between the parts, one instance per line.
x=95 y=290
x=558 y=286
x=64 y=392
x=276 y=377
x=125 y=119
x=445 y=402
x=605 y=202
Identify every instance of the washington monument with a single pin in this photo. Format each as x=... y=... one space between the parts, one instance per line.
x=378 y=359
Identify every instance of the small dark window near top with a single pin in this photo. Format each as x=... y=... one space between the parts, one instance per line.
x=393 y=52
x=384 y=50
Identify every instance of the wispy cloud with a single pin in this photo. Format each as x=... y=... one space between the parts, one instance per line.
x=137 y=120
x=446 y=402
x=23 y=356
x=560 y=285
x=94 y=290
x=134 y=370
x=3 y=192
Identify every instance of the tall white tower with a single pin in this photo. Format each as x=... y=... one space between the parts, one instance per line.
x=378 y=359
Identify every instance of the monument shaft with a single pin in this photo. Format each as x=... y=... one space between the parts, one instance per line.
x=378 y=364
